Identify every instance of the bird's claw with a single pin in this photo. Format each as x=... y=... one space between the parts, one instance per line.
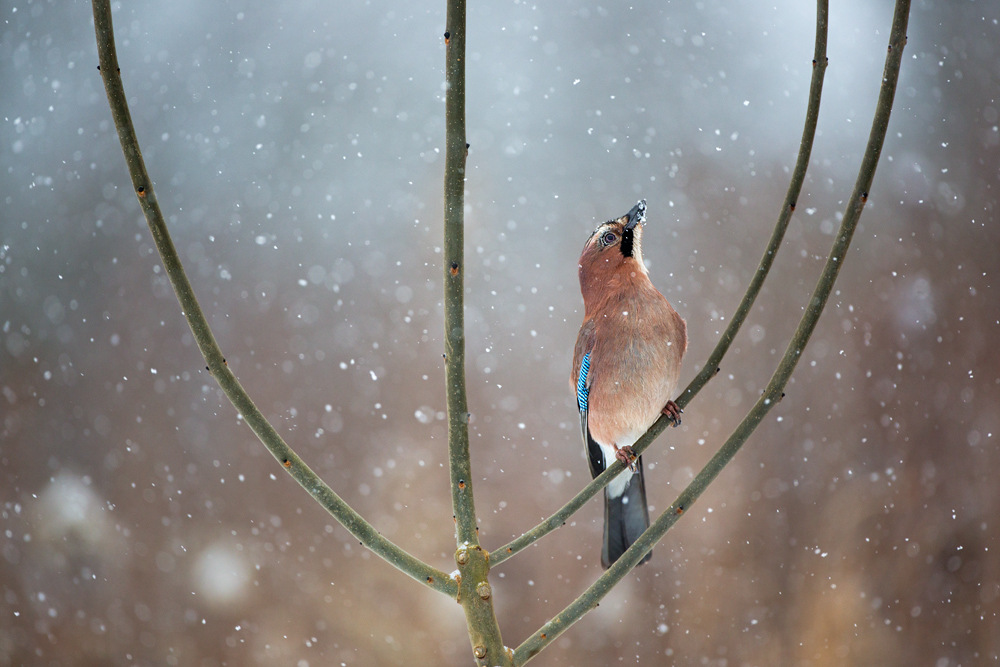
x=626 y=455
x=673 y=413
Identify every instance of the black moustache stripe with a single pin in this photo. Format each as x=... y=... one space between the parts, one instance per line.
x=627 y=239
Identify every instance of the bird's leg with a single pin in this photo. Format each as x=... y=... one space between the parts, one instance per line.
x=626 y=455
x=673 y=412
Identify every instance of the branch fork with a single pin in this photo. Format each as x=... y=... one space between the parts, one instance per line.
x=471 y=586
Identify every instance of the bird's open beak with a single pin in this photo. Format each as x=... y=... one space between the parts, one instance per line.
x=637 y=216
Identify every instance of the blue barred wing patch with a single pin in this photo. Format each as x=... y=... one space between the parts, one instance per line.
x=581 y=383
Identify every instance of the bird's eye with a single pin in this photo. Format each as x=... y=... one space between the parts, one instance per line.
x=609 y=238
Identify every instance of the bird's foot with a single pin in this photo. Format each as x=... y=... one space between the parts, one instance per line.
x=626 y=455
x=673 y=412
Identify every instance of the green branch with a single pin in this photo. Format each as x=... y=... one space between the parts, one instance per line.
x=773 y=392
x=819 y=63
x=454 y=282
x=475 y=593
x=300 y=472
x=711 y=366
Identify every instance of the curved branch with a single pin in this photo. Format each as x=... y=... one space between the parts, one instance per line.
x=794 y=188
x=773 y=392
x=300 y=472
x=711 y=366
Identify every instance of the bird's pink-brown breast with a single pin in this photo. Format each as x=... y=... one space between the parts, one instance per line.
x=637 y=343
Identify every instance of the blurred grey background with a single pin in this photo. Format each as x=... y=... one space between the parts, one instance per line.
x=297 y=153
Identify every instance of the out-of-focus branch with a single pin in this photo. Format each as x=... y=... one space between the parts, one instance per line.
x=711 y=366
x=293 y=465
x=773 y=392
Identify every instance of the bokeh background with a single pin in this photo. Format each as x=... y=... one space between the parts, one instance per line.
x=297 y=151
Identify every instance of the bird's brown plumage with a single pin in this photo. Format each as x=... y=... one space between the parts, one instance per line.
x=633 y=335
x=635 y=341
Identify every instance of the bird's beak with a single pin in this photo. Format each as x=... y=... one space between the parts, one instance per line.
x=637 y=216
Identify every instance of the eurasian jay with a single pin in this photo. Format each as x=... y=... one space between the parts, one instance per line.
x=625 y=369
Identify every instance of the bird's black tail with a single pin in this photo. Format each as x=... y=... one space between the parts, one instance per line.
x=625 y=517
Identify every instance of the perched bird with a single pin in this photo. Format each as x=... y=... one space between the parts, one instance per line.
x=625 y=369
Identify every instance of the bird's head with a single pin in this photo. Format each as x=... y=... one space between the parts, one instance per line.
x=615 y=245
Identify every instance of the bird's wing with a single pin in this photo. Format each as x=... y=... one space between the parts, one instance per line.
x=581 y=381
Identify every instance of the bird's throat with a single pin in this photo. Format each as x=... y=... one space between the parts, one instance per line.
x=605 y=284
x=628 y=241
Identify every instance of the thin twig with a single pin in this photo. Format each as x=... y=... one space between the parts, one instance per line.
x=475 y=592
x=559 y=519
x=819 y=63
x=300 y=472
x=454 y=277
x=773 y=392
x=711 y=366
